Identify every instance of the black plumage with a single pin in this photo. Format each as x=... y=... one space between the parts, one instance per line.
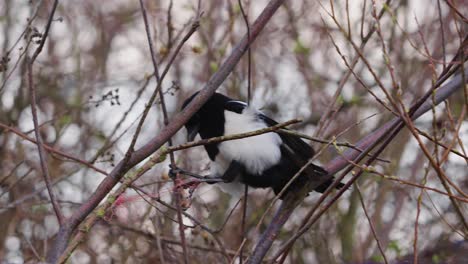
x=268 y=160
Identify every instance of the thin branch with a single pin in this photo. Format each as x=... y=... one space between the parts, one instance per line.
x=249 y=56
x=109 y=141
x=371 y=225
x=416 y=222
x=196 y=222
x=175 y=242
x=249 y=97
x=100 y=212
x=53 y=150
x=45 y=34
x=371 y=169
x=455 y=9
x=177 y=192
x=32 y=93
x=328 y=111
x=232 y=137
x=244 y=216
x=327 y=142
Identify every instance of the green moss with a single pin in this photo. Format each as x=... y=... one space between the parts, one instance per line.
x=355 y=100
x=111 y=199
x=236 y=10
x=436 y=258
x=300 y=48
x=64 y=120
x=377 y=258
x=222 y=51
x=85 y=229
x=163 y=154
x=100 y=212
x=213 y=66
x=393 y=245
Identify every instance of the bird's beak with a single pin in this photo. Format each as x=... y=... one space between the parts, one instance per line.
x=192 y=132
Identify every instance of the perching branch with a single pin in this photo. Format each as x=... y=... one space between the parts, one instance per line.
x=232 y=137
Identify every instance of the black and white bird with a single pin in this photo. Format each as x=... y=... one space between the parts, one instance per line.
x=262 y=161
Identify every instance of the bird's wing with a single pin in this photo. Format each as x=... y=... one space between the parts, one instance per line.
x=300 y=153
x=294 y=148
x=296 y=144
x=297 y=150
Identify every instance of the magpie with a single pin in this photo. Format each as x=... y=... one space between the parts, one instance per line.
x=263 y=161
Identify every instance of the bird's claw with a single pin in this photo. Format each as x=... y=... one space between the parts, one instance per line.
x=174 y=171
x=210 y=180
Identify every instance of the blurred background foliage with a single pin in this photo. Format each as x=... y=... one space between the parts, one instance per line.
x=95 y=76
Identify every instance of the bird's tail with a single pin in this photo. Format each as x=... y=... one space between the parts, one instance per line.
x=320 y=172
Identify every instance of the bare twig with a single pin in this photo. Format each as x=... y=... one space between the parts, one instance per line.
x=364 y=40
x=374 y=233
x=53 y=150
x=32 y=92
x=232 y=137
x=416 y=222
x=455 y=9
x=249 y=97
x=177 y=193
x=249 y=54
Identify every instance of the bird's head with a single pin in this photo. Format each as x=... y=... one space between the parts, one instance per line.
x=209 y=119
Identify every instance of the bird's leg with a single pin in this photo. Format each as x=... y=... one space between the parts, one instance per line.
x=174 y=170
x=232 y=172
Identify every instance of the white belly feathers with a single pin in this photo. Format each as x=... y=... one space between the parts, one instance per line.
x=256 y=153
